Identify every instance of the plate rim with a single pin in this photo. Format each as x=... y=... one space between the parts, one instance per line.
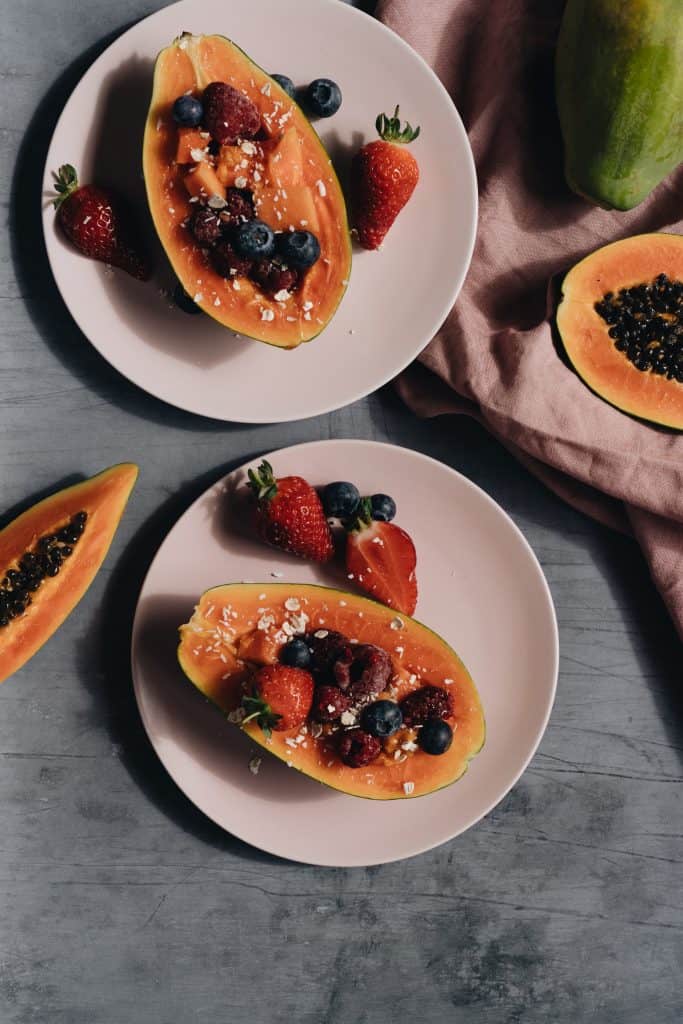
x=552 y=692
x=438 y=320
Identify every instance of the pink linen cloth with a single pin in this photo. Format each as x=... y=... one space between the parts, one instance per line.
x=495 y=357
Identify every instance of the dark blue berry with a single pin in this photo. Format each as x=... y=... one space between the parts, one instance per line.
x=296 y=653
x=383 y=718
x=323 y=97
x=340 y=499
x=435 y=736
x=285 y=83
x=299 y=249
x=188 y=111
x=382 y=507
x=183 y=300
x=254 y=240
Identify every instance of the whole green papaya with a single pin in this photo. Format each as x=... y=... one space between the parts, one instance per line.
x=619 y=88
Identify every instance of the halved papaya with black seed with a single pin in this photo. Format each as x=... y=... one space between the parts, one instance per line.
x=621 y=323
x=285 y=168
x=49 y=556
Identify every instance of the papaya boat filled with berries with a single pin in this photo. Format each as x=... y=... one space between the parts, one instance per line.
x=620 y=319
x=49 y=556
x=243 y=195
x=336 y=685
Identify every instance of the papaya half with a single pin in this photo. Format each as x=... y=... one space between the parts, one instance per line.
x=237 y=627
x=619 y=90
x=620 y=319
x=282 y=172
x=49 y=556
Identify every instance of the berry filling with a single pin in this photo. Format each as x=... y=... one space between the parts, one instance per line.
x=426 y=703
x=230 y=150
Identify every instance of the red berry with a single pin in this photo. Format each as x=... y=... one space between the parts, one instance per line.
x=289 y=515
x=358 y=748
x=239 y=207
x=227 y=262
x=205 y=225
x=229 y=115
x=364 y=672
x=329 y=703
x=326 y=647
x=427 y=702
x=381 y=558
x=383 y=177
x=99 y=224
x=272 y=277
x=281 y=698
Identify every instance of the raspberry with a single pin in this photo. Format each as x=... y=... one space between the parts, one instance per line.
x=239 y=207
x=363 y=672
x=225 y=260
x=427 y=702
x=327 y=697
x=229 y=115
x=358 y=748
x=325 y=650
x=272 y=277
x=205 y=225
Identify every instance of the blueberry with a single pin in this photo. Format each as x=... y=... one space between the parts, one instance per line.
x=300 y=249
x=254 y=240
x=323 y=97
x=382 y=507
x=340 y=499
x=285 y=83
x=183 y=300
x=382 y=718
x=296 y=653
x=188 y=111
x=435 y=736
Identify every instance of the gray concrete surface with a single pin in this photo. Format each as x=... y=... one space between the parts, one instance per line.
x=120 y=903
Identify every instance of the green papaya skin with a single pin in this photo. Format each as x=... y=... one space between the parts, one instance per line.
x=619 y=90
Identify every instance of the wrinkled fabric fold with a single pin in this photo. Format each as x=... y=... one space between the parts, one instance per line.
x=496 y=357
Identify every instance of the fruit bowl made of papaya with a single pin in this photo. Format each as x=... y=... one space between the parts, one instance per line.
x=341 y=334
x=336 y=685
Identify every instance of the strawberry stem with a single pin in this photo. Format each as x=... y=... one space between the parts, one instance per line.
x=261 y=712
x=389 y=129
x=262 y=482
x=361 y=518
x=66 y=183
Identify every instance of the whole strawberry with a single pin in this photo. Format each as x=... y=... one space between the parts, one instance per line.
x=289 y=515
x=383 y=178
x=281 y=698
x=381 y=559
x=98 y=223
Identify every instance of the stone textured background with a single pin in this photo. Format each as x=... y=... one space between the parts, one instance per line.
x=119 y=902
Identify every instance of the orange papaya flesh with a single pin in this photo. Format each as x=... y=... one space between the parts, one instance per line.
x=102 y=498
x=638 y=260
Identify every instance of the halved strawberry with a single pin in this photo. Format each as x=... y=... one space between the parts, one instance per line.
x=281 y=698
x=381 y=558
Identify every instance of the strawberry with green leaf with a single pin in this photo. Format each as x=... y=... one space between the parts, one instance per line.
x=289 y=515
x=98 y=223
x=281 y=698
x=384 y=174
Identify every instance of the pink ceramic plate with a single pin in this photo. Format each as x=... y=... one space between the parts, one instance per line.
x=480 y=587
x=396 y=300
